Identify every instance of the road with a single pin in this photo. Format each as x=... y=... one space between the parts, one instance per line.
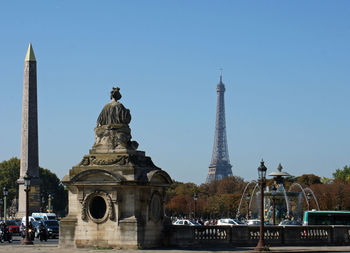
x=17 y=240
x=51 y=246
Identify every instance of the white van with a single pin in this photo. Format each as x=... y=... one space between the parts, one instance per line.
x=44 y=216
x=30 y=218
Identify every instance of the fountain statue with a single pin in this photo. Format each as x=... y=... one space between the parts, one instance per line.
x=279 y=204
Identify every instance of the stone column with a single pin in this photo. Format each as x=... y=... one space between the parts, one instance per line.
x=29 y=138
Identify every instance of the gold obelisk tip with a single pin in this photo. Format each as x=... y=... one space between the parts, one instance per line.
x=30 y=54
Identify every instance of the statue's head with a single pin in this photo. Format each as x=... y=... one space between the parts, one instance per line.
x=116 y=94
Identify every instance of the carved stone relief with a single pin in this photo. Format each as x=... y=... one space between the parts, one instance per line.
x=137 y=160
x=155 y=207
x=87 y=207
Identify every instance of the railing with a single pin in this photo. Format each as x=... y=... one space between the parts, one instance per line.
x=211 y=233
x=314 y=234
x=197 y=236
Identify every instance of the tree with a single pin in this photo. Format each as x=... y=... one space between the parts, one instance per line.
x=50 y=184
x=220 y=198
x=326 y=180
x=343 y=174
x=9 y=173
x=332 y=196
x=171 y=190
x=187 y=189
x=177 y=206
x=230 y=185
x=309 y=179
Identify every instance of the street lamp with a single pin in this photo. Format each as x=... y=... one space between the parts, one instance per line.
x=262 y=181
x=5 y=192
x=274 y=189
x=27 y=179
x=49 y=203
x=248 y=198
x=308 y=200
x=195 y=198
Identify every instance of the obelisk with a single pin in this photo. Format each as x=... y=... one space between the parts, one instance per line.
x=29 y=138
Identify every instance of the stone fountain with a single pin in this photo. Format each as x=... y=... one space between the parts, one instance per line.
x=279 y=196
x=288 y=204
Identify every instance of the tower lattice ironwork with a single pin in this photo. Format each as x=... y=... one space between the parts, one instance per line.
x=220 y=166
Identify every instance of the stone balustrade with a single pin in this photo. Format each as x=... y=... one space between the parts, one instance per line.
x=197 y=236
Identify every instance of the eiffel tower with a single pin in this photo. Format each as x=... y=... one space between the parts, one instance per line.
x=220 y=166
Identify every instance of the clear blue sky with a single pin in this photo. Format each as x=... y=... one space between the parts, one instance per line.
x=286 y=71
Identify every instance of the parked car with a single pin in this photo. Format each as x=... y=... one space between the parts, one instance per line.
x=186 y=223
x=13 y=226
x=229 y=222
x=290 y=223
x=254 y=222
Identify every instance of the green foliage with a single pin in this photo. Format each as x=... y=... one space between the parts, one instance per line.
x=186 y=189
x=9 y=173
x=50 y=184
x=326 y=180
x=343 y=174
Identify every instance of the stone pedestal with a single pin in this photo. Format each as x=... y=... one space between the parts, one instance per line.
x=116 y=195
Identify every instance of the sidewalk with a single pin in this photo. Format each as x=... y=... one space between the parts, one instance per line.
x=7 y=248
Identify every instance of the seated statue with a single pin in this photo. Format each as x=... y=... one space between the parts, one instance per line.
x=114 y=112
x=112 y=131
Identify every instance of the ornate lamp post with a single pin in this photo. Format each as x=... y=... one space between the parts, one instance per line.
x=248 y=198
x=274 y=189
x=5 y=192
x=27 y=179
x=308 y=200
x=195 y=198
x=49 y=203
x=262 y=181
